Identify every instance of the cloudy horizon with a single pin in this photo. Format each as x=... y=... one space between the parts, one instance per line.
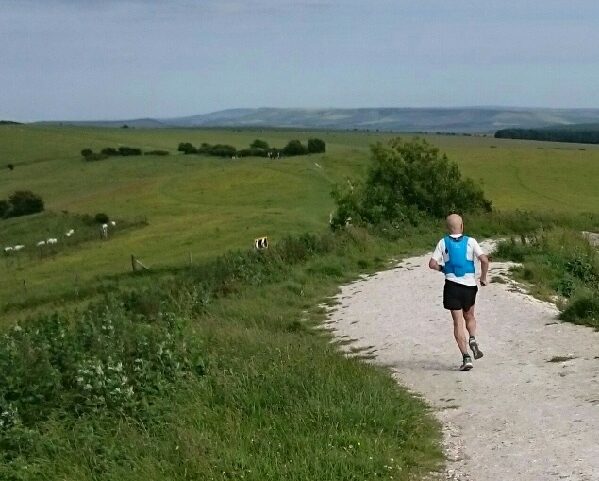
x=83 y=60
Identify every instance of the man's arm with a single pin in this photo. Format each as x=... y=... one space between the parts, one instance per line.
x=437 y=257
x=434 y=265
x=484 y=262
x=484 y=269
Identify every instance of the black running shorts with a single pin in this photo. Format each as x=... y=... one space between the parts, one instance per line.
x=457 y=296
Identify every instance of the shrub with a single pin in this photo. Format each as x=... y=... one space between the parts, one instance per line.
x=157 y=152
x=316 y=146
x=583 y=308
x=406 y=182
x=101 y=218
x=25 y=202
x=96 y=156
x=127 y=151
x=10 y=167
x=222 y=150
x=106 y=359
x=259 y=144
x=253 y=153
x=110 y=152
x=187 y=148
x=573 y=273
x=4 y=208
x=86 y=153
x=295 y=147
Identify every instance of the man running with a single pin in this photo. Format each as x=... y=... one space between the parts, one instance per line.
x=454 y=256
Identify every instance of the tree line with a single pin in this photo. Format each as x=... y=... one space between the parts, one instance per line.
x=551 y=135
x=90 y=155
x=258 y=148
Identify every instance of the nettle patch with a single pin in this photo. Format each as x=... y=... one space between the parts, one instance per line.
x=107 y=360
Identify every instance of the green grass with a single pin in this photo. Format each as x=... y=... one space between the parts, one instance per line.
x=267 y=397
x=206 y=206
x=274 y=399
x=559 y=262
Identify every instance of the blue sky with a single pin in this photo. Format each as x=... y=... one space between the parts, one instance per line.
x=91 y=59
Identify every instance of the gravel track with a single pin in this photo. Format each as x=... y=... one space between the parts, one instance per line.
x=528 y=411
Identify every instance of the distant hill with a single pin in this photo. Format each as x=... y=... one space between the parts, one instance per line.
x=146 y=123
x=390 y=119
x=468 y=119
x=577 y=133
x=9 y=122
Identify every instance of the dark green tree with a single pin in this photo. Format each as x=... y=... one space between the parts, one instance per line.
x=25 y=202
x=316 y=146
x=295 y=147
x=101 y=218
x=259 y=144
x=408 y=181
x=187 y=148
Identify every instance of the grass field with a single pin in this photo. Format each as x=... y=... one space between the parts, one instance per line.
x=225 y=375
x=203 y=206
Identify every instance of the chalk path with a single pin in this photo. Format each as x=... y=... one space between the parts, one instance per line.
x=515 y=416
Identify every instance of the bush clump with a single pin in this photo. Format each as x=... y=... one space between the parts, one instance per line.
x=219 y=150
x=128 y=151
x=295 y=147
x=583 y=308
x=572 y=272
x=316 y=146
x=407 y=182
x=101 y=218
x=253 y=152
x=187 y=148
x=106 y=359
x=20 y=203
x=89 y=155
x=94 y=156
x=259 y=144
x=160 y=153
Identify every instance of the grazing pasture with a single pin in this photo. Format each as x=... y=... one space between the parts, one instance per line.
x=197 y=207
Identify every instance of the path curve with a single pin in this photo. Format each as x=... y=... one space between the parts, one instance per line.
x=516 y=416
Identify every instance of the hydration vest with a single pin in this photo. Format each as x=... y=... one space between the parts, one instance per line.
x=458 y=264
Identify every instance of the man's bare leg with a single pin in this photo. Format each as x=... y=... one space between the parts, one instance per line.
x=470 y=321
x=460 y=336
x=458 y=331
x=471 y=328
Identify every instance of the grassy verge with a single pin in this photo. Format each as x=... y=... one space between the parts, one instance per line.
x=216 y=374
x=559 y=261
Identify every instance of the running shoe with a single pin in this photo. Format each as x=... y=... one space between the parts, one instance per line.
x=475 y=350
x=466 y=364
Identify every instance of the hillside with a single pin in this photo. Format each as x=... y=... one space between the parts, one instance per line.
x=226 y=204
x=145 y=123
x=468 y=120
